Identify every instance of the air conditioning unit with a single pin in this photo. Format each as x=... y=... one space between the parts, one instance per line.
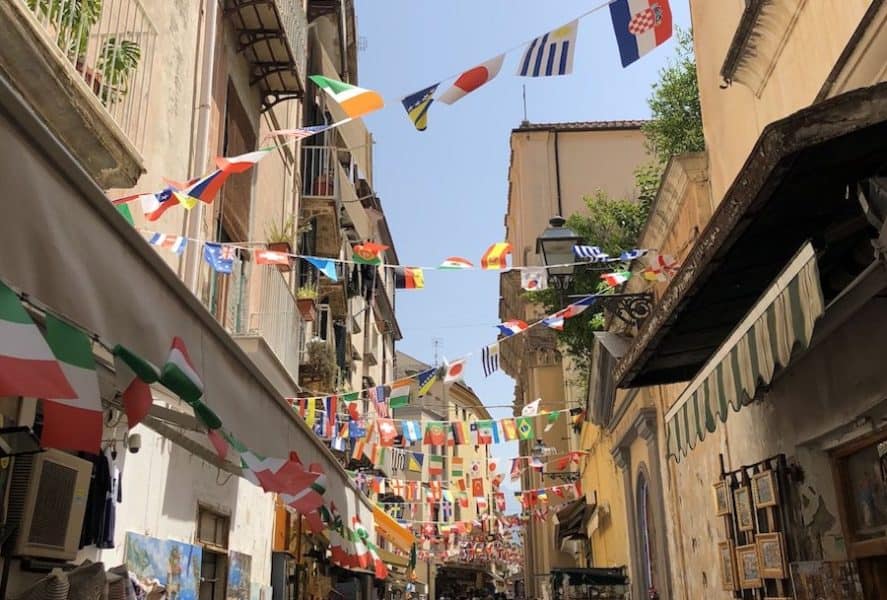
x=47 y=500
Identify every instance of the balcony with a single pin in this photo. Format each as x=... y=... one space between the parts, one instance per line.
x=85 y=67
x=260 y=312
x=273 y=36
x=321 y=198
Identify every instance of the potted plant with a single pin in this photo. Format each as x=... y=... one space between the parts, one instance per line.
x=321 y=364
x=306 y=300
x=279 y=237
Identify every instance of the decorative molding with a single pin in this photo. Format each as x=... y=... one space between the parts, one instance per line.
x=760 y=38
x=645 y=425
x=622 y=457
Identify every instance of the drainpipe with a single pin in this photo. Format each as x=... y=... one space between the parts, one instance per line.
x=557 y=172
x=201 y=146
x=343 y=43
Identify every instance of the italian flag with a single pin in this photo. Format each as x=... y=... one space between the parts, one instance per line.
x=178 y=374
x=616 y=278
x=27 y=365
x=355 y=101
x=73 y=423
x=134 y=376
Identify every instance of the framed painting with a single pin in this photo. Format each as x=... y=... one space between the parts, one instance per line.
x=745 y=514
x=728 y=566
x=771 y=555
x=747 y=567
x=722 y=498
x=764 y=491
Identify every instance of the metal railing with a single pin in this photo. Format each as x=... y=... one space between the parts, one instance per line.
x=272 y=314
x=110 y=45
x=319 y=171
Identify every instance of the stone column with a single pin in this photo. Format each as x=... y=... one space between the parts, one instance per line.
x=645 y=426
x=622 y=458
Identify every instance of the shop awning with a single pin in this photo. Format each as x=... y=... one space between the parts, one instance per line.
x=393 y=531
x=782 y=320
x=792 y=188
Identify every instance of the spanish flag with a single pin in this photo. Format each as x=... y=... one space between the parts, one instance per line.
x=496 y=257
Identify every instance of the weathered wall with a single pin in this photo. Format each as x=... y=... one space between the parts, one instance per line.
x=815 y=33
x=825 y=390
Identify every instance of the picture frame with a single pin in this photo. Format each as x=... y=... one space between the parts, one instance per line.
x=728 y=566
x=771 y=555
x=764 y=490
x=722 y=498
x=747 y=567
x=745 y=514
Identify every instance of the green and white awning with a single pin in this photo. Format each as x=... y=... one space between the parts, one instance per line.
x=783 y=318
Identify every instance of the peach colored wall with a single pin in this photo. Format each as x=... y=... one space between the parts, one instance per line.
x=734 y=117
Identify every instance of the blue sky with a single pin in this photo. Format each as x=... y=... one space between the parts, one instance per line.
x=444 y=190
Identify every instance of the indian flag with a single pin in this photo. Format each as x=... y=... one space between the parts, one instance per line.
x=400 y=394
x=27 y=365
x=355 y=101
x=73 y=423
x=616 y=278
x=454 y=263
x=178 y=374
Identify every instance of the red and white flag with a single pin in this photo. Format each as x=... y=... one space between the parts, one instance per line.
x=472 y=79
x=454 y=370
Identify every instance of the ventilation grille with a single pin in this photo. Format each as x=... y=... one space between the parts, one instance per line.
x=55 y=495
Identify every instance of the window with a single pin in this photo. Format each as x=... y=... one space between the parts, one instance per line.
x=212 y=533
x=646 y=534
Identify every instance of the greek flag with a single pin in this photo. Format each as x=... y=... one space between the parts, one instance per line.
x=490 y=359
x=550 y=54
x=592 y=253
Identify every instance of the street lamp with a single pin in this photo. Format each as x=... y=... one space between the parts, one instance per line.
x=556 y=246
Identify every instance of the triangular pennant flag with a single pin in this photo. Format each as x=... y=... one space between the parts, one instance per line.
x=73 y=423
x=417 y=105
x=178 y=374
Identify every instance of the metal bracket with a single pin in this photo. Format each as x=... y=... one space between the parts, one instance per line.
x=631 y=309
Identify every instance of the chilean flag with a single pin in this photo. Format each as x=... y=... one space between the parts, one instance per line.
x=640 y=26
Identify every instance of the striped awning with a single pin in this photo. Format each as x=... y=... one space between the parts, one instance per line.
x=783 y=318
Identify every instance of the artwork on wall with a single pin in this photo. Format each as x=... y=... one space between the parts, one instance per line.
x=771 y=555
x=763 y=487
x=176 y=565
x=728 y=566
x=239 y=570
x=748 y=568
x=722 y=498
x=745 y=518
x=815 y=579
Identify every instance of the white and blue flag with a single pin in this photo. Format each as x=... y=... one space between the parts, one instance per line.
x=550 y=54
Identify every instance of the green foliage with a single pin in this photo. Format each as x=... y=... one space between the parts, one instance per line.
x=117 y=63
x=73 y=21
x=614 y=225
x=675 y=126
x=646 y=181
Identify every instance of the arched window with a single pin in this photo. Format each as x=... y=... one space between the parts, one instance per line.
x=646 y=533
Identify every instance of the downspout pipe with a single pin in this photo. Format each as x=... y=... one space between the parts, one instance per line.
x=343 y=42
x=557 y=172
x=201 y=146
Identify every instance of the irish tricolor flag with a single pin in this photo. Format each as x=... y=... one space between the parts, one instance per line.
x=355 y=101
x=178 y=374
x=27 y=365
x=73 y=423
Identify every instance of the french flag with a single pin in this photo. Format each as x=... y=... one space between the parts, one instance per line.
x=640 y=26
x=509 y=328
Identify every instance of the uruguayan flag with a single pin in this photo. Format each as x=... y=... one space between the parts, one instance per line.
x=550 y=54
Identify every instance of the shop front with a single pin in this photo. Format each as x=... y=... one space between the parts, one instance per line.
x=777 y=441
